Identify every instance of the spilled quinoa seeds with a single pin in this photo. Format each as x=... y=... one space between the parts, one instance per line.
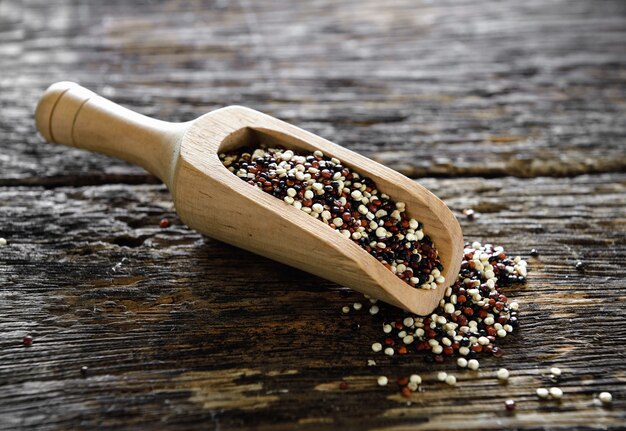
x=472 y=319
x=473 y=314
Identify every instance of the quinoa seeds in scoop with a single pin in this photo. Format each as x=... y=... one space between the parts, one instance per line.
x=347 y=202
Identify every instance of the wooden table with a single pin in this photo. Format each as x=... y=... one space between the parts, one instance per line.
x=515 y=109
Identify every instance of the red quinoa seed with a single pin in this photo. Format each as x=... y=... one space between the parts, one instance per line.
x=470 y=214
x=509 y=405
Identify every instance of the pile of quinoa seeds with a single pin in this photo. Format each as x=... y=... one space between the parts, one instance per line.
x=347 y=202
x=474 y=315
x=471 y=319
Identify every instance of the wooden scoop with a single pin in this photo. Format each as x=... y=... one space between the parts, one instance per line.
x=212 y=200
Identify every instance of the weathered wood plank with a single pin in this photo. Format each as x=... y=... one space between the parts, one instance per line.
x=179 y=330
x=437 y=88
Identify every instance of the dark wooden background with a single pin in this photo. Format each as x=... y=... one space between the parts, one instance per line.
x=514 y=108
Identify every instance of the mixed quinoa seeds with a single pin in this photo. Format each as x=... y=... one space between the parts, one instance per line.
x=473 y=315
x=346 y=201
x=471 y=319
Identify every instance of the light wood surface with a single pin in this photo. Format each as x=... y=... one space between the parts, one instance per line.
x=210 y=199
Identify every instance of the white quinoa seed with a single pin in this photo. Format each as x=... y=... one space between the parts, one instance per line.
x=503 y=374
x=556 y=372
x=345 y=309
x=473 y=364
x=442 y=376
x=382 y=381
x=389 y=351
x=451 y=380
x=543 y=393
x=415 y=378
x=377 y=347
x=461 y=362
x=374 y=309
x=605 y=397
x=556 y=392
x=3 y=242
x=357 y=306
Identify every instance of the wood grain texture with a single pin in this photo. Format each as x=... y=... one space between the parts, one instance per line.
x=437 y=88
x=177 y=329
x=180 y=331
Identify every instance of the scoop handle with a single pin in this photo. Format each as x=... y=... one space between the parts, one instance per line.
x=72 y=115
